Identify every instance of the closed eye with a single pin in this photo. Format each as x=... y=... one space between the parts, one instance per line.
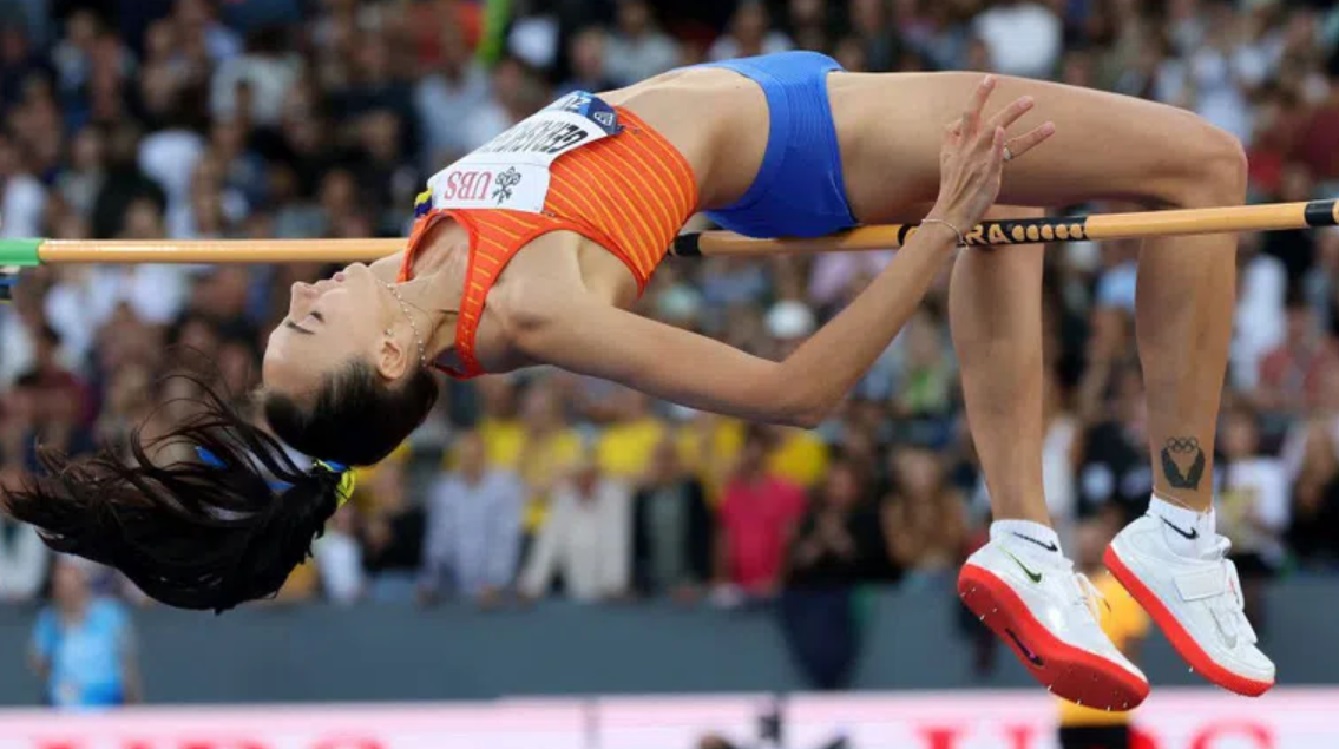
x=298 y=328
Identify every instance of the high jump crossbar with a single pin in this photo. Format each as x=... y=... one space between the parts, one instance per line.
x=1268 y=217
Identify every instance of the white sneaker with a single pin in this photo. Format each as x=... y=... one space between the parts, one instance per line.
x=1196 y=602
x=1044 y=612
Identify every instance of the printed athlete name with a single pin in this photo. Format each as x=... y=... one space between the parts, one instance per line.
x=542 y=136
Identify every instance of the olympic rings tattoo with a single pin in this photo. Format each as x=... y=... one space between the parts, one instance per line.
x=1182 y=445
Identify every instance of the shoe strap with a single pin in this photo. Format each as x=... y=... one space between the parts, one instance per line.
x=1201 y=584
x=1219 y=587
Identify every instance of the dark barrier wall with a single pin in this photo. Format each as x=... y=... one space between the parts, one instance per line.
x=401 y=653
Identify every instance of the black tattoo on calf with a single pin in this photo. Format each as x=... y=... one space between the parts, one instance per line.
x=1183 y=448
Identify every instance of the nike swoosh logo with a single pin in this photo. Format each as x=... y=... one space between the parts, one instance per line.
x=1191 y=536
x=1047 y=546
x=1032 y=657
x=1035 y=577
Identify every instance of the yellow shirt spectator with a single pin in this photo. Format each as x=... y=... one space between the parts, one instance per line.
x=1124 y=621
x=800 y=456
x=624 y=450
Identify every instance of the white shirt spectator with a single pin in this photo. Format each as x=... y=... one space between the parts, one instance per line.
x=535 y=40
x=339 y=561
x=1253 y=507
x=1023 y=38
x=22 y=202
x=474 y=531
x=270 y=78
x=1057 y=472
x=16 y=346
x=169 y=158
x=1260 y=322
x=587 y=540
x=156 y=293
x=23 y=562
x=445 y=111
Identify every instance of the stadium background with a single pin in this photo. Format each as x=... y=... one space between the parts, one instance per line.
x=467 y=568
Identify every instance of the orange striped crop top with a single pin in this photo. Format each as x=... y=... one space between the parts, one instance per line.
x=578 y=165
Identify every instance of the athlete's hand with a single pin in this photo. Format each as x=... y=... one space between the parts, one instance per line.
x=971 y=160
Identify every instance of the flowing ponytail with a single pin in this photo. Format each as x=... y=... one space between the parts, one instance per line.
x=204 y=535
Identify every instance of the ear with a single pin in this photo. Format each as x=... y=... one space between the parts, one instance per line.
x=391 y=357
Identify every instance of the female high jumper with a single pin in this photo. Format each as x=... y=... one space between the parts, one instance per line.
x=531 y=250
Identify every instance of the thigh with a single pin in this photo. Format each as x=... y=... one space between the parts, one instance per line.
x=890 y=127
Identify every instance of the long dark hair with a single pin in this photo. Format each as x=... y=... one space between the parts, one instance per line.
x=215 y=533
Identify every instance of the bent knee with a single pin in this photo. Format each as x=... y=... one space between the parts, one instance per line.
x=1214 y=173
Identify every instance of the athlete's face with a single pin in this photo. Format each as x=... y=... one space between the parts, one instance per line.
x=330 y=324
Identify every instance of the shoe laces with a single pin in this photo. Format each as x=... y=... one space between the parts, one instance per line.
x=1090 y=596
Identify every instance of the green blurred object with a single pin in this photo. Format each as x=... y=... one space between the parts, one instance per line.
x=21 y=252
x=493 y=37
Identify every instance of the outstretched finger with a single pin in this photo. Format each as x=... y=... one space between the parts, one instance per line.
x=997 y=141
x=971 y=118
x=1031 y=139
x=1010 y=114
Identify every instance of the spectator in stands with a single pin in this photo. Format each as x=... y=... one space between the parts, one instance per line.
x=626 y=444
x=672 y=529
x=837 y=545
x=392 y=535
x=924 y=518
x=24 y=559
x=1022 y=37
x=1313 y=534
x=22 y=198
x=586 y=538
x=839 y=542
x=758 y=512
x=1289 y=374
x=339 y=559
x=459 y=83
x=474 y=528
x=83 y=645
x=1113 y=462
x=587 y=53
x=750 y=33
x=1252 y=508
x=636 y=48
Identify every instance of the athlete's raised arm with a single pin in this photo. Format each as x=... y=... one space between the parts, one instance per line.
x=592 y=338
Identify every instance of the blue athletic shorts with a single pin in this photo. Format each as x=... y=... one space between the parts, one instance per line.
x=799 y=190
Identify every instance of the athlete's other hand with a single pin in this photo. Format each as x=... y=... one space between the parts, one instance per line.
x=971 y=160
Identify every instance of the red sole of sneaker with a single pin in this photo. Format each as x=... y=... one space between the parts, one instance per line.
x=1069 y=672
x=1190 y=650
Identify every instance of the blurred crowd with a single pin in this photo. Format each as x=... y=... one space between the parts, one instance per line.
x=148 y=119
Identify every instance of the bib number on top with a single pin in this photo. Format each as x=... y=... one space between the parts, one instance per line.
x=512 y=171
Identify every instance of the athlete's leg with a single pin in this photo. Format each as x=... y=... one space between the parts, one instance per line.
x=995 y=316
x=1105 y=146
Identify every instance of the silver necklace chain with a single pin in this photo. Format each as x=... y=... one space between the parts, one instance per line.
x=404 y=307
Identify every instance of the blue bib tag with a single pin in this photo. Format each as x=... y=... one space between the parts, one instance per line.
x=592 y=107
